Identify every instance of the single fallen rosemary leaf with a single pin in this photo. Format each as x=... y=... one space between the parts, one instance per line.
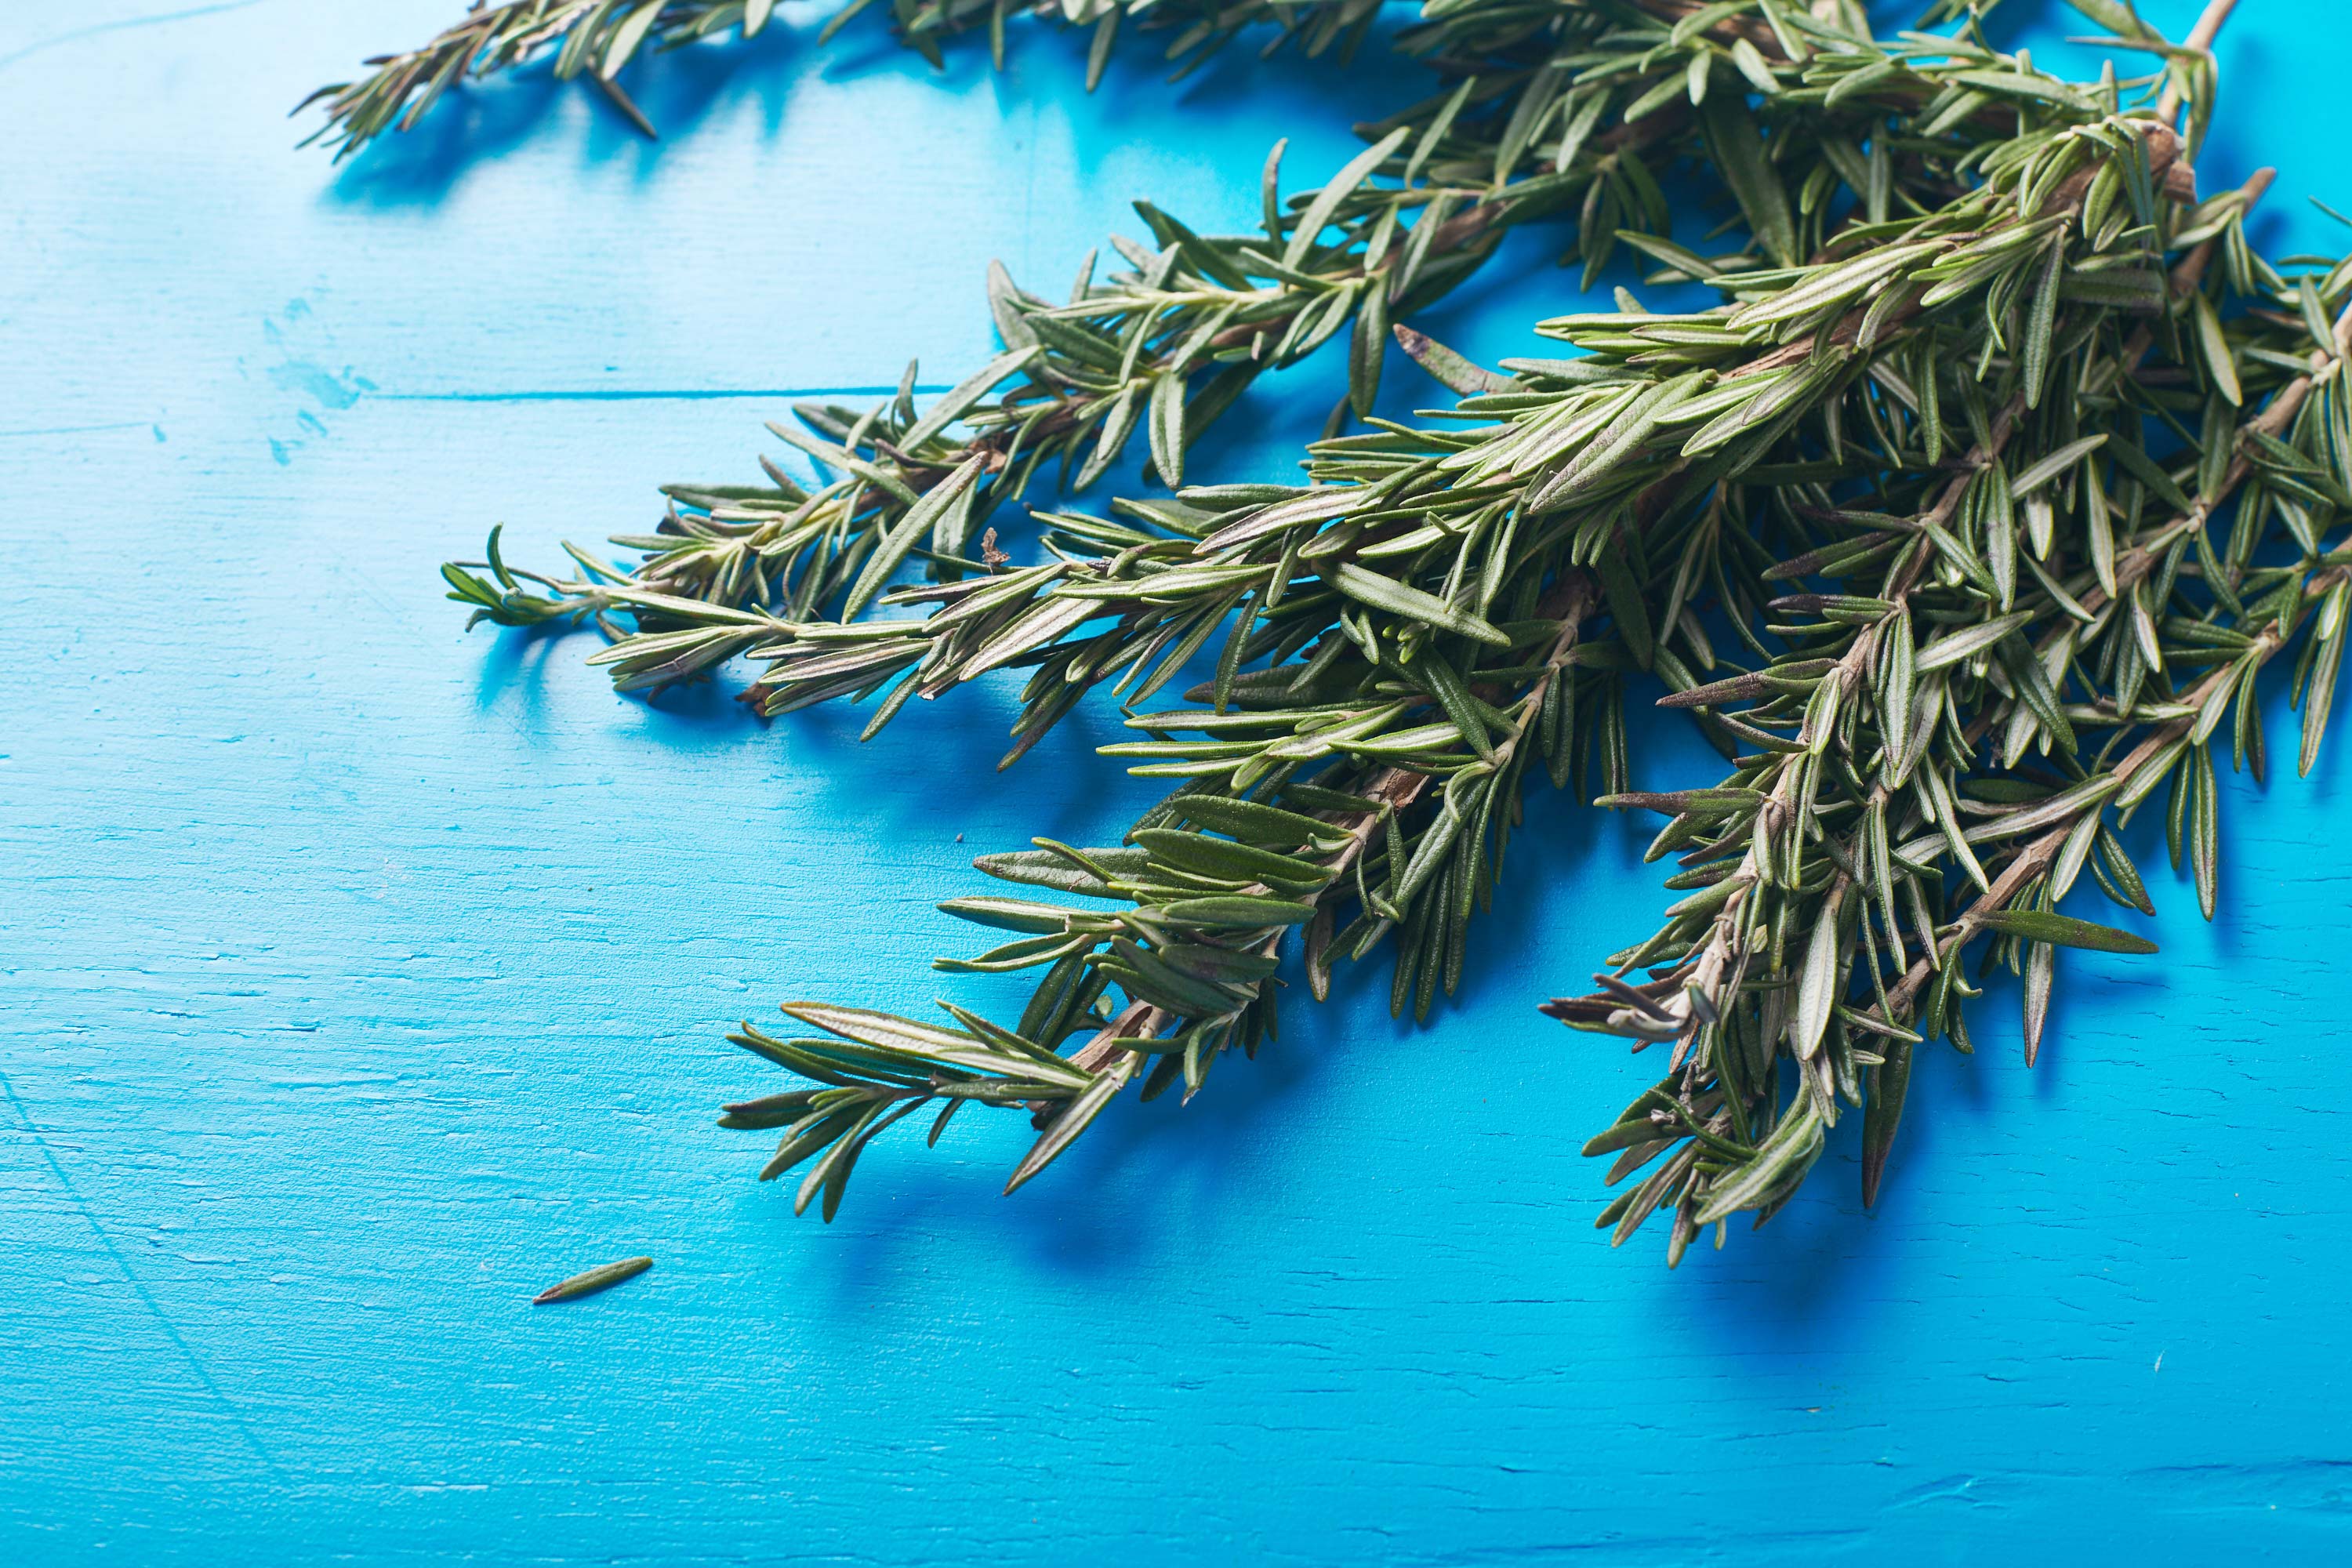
x=603 y=1276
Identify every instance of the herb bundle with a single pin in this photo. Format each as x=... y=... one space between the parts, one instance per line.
x=2010 y=442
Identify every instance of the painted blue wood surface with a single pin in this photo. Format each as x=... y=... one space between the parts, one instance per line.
x=361 y=977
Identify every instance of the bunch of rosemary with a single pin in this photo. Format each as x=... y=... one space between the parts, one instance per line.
x=2001 y=437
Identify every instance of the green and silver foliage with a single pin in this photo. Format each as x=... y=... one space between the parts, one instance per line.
x=1164 y=349
x=1974 y=407
x=2020 y=654
x=1353 y=811
x=1460 y=597
x=1156 y=352
x=597 y=39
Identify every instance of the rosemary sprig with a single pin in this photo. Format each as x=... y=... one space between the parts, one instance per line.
x=1382 y=808
x=1414 y=495
x=1494 y=151
x=1785 y=929
x=1164 y=349
x=597 y=39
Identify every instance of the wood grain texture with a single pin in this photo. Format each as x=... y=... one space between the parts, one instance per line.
x=362 y=976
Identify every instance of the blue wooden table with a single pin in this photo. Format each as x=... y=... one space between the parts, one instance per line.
x=362 y=976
